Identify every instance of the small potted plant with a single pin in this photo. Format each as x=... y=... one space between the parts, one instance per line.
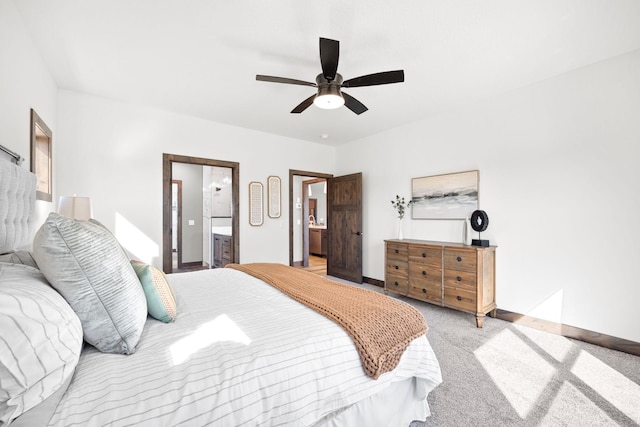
x=400 y=205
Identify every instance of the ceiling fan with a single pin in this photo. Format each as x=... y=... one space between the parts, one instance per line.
x=330 y=83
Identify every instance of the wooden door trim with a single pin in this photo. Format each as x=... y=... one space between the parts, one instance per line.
x=178 y=182
x=292 y=174
x=305 y=225
x=167 y=162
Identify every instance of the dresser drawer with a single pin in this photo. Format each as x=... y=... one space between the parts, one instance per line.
x=396 y=267
x=396 y=283
x=226 y=249
x=460 y=298
x=460 y=279
x=425 y=274
x=427 y=292
x=426 y=255
x=460 y=259
x=397 y=251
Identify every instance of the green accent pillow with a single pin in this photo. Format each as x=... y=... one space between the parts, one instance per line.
x=161 y=303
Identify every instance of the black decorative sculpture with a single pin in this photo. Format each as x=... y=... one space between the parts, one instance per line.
x=479 y=222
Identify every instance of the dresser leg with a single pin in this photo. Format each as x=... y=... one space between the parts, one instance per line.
x=479 y=320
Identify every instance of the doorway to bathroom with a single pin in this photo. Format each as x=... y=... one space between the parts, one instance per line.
x=200 y=213
x=308 y=221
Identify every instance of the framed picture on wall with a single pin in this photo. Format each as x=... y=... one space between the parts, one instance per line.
x=256 y=202
x=41 y=165
x=448 y=196
x=274 y=198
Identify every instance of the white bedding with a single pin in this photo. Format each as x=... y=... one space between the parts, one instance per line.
x=240 y=353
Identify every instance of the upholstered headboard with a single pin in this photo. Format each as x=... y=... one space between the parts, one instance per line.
x=17 y=203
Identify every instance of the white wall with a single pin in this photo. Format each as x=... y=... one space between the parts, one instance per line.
x=112 y=152
x=559 y=180
x=25 y=83
x=321 y=198
x=297 y=218
x=222 y=199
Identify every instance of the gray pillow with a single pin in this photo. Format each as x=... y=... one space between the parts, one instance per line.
x=19 y=257
x=87 y=265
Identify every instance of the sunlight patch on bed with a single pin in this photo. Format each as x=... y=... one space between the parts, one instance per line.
x=619 y=390
x=220 y=329
x=135 y=241
x=519 y=373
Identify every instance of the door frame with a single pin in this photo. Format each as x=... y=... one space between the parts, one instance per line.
x=178 y=182
x=292 y=174
x=167 y=163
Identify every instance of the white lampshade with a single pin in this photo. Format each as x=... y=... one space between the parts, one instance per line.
x=75 y=207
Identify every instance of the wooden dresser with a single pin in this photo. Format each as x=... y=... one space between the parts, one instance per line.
x=447 y=274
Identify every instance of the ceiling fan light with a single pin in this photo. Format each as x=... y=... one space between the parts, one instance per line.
x=328 y=102
x=329 y=98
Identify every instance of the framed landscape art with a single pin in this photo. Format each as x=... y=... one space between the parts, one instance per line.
x=448 y=196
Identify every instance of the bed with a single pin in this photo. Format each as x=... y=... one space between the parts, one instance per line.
x=232 y=349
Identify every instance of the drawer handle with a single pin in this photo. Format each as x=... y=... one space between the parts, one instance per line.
x=397 y=251
x=459 y=279
x=459 y=259
x=396 y=267
x=424 y=291
x=459 y=298
x=397 y=284
x=424 y=255
x=424 y=273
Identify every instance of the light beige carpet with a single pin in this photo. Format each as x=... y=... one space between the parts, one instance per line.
x=510 y=375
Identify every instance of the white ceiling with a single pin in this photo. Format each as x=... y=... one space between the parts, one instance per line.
x=200 y=57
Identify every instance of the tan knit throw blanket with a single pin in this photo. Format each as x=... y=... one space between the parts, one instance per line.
x=381 y=327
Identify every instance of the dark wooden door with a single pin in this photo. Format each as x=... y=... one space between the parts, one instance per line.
x=344 y=227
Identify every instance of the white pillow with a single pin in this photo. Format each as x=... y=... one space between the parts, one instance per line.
x=87 y=265
x=40 y=340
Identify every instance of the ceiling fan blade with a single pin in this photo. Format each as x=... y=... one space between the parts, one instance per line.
x=273 y=79
x=329 y=54
x=304 y=105
x=353 y=104
x=383 y=78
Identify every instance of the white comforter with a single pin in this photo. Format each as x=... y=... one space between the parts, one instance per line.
x=239 y=354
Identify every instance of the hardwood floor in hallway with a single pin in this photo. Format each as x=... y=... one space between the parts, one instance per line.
x=185 y=268
x=317 y=265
